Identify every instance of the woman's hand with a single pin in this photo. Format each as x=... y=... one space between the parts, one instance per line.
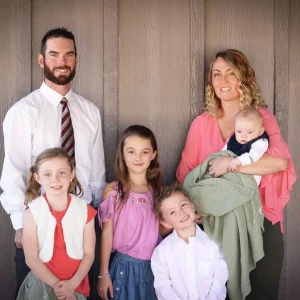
x=219 y=166
x=197 y=219
x=104 y=285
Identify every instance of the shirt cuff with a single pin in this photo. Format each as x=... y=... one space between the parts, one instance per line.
x=17 y=220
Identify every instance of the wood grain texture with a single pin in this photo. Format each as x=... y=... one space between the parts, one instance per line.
x=247 y=26
x=281 y=77
x=15 y=82
x=110 y=84
x=197 y=69
x=293 y=209
x=154 y=83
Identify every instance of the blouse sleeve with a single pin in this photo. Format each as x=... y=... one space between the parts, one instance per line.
x=91 y=213
x=106 y=209
x=275 y=188
x=189 y=154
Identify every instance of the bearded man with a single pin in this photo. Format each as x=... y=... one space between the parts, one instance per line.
x=52 y=116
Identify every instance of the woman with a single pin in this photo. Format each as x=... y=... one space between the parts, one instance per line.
x=231 y=86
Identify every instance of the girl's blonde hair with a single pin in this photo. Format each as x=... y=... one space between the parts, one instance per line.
x=247 y=87
x=33 y=189
x=154 y=171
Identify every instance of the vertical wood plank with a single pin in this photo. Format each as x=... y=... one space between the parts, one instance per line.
x=154 y=82
x=197 y=70
x=110 y=84
x=15 y=82
x=292 y=102
x=281 y=30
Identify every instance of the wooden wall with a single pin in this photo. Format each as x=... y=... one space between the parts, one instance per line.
x=144 y=62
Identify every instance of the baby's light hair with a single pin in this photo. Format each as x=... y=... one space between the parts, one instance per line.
x=33 y=189
x=165 y=193
x=250 y=113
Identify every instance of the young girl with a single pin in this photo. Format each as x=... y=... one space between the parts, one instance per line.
x=58 y=232
x=130 y=228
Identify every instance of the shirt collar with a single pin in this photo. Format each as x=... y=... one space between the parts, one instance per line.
x=52 y=96
x=200 y=236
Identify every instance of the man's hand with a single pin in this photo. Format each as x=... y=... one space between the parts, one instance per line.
x=18 y=238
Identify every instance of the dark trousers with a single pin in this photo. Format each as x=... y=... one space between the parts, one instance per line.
x=95 y=268
x=21 y=269
x=266 y=276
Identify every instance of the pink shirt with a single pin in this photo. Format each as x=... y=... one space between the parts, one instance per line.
x=204 y=138
x=136 y=228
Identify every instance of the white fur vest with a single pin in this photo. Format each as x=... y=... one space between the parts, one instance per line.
x=73 y=223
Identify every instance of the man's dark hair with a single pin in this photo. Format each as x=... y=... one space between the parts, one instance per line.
x=57 y=33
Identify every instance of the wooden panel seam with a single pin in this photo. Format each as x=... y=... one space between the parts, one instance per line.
x=281 y=29
x=196 y=57
x=110 y=82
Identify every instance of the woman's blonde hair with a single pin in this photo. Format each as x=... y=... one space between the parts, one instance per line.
x=33 y=189
x=247 y=87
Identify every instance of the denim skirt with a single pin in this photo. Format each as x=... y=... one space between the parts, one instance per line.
x=132 y=278
x=33 y=288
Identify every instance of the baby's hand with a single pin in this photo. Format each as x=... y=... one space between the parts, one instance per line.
x=234 y=165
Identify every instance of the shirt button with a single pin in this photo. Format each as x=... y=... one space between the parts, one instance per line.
x=121 y=273
x=117 y=289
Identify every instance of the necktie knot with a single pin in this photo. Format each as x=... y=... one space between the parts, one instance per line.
x=64 y=101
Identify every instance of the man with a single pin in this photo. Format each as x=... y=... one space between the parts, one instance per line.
x=40 y=121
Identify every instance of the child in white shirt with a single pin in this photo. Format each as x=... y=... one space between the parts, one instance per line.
x=250 y=140
x=186 y=264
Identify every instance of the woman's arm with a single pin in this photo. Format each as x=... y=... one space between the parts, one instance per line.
x=105 y=282
x=30 y=246
x=266 y=165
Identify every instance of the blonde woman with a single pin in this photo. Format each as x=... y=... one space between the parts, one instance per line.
x=230 y=87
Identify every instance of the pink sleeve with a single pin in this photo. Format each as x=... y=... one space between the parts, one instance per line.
x=189 y=154
x=274 y=188
x=106 y=209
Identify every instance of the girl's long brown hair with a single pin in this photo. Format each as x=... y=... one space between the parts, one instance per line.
x=249 y=91
x=33 y=189
x=154 y=171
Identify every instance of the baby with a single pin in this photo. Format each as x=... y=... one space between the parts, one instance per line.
x=250 y=140
x=186 y=264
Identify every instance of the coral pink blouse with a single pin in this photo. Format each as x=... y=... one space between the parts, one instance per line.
x=204 y=138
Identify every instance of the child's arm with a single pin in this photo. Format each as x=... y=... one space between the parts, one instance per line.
x=218 y=289
x=30 y=246
x=66 y=288
x=162 y=281
x=105 y=283
x=258 y=149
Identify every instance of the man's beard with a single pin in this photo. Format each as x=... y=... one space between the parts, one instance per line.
x=61 y=79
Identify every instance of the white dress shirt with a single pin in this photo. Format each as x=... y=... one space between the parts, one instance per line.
x=258 y=149
x=193 y=271
x=32 y=125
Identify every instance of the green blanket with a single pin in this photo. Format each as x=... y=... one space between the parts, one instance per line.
x=230 y=207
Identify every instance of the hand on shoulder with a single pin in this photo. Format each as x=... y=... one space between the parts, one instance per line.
x=109 y=188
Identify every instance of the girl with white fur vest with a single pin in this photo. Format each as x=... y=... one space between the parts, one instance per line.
x=58 y=232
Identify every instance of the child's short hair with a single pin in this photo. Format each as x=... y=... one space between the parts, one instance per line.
x=250 y=113
x=164 y=193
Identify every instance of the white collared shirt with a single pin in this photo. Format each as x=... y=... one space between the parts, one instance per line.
x=193 y=271
x=32 y=125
